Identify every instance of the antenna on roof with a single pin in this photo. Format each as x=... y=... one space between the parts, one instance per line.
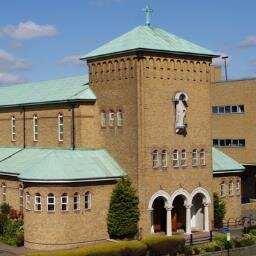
x=148 y=12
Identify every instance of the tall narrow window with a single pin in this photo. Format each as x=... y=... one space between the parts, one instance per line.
x=119 y=118
x=38 y=203
x=50 y=202
x=13 y=123
x=111 y=118
x=237 y=187
x=76 y=202
x=202 y=157
x=21 y=197
x=87 y=200
x=155 y=160
x=222 y=189
x=175 y=158
x=103 y=118
x=60 y=127
x=230 y=188
x=4 y=192
x=164 y=158
x=64 y=202
x=183 y=159
x=35 y=127
x=194 y=158
x=27 y=201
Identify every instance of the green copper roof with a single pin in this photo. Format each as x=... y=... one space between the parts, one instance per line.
x=222 y=163
x=60 y=165
x=149 y=39
x=53 y=91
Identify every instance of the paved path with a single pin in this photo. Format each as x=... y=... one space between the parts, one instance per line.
x=7 y=250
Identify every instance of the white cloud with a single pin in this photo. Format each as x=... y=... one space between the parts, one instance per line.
x=219 y=61
x=8 y=78
x=9 y=62
x=28 y=30
x=249 y=41
x=71 y=60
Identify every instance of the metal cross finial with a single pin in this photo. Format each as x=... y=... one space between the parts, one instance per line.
x=148 y=11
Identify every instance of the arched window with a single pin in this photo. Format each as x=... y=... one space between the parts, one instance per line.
x=103 y=118
x=183 y=158
x=35 y=128
x=164 y=158
x=111 y=118
x=155 y=160
x=21 y=197
x=13 y=130
x=194 y=158
x=222 y=189
x=238 y=187
x=3 y=192
x=119 y=118
x=230 y=188
x=76 y=202
x=27 y=201
x=202 y=157
x=38 y=202
x=175 y=158
x=50 y=202
x=64 y=202
x=60 y=127
x=87 y=200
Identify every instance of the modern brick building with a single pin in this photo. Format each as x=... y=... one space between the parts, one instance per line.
x=145 y=110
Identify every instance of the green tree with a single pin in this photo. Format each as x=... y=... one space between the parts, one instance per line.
x=123 y=215
x=219 y=211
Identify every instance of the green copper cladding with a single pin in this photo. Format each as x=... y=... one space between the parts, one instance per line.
x=68 y=89
x=152 y=39
x=222 y=163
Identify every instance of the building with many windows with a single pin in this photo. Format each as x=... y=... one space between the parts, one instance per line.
x=152 y=107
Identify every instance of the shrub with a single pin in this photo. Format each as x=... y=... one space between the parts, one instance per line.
x=136 y=248
x=3 y=221
x=5 y=208
x=219 y=211
x=123 y=215
x=161 y=245
x=13 y=232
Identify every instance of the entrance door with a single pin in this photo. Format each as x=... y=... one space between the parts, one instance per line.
x=159 y=215
x=178 y=214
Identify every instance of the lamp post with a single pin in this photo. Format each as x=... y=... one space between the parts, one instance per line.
x=225 y=61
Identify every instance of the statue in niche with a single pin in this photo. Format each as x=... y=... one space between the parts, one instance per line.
x=181 y=110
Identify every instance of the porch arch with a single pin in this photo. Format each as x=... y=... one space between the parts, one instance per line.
x=160 y=193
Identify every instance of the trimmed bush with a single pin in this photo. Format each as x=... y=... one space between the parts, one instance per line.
x=161 y=245
x=5 y=208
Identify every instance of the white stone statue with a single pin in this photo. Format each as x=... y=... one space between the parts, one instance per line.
x=181 y=110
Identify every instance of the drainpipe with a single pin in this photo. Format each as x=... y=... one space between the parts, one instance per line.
x=72 y=126
x=24 y=127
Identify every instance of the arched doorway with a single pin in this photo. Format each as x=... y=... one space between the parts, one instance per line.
x=178 y=214
x=159 y=215
x=197 y=213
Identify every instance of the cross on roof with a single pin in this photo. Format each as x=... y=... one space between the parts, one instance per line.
x=147 y=11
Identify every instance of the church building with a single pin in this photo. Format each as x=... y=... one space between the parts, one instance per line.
x=152 y=107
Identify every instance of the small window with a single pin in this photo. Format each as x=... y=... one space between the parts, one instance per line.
x=215 y=143
x=183 y=158
x=238 y=188
x=20 y=197
x=194 y=158
x=103 y=118
x=215 y=110
x=4 y=192
x=38 y=203
x=221 y=110
x=228 y=143
x=27 y=201
x=13 y=123
x=230 y=188
x=235 y=143
x=222 y=189
x=227 y=109
x=241 y=143
x=155 y=160
x=175 y=158
x=202 y=157
x=35 y=128
x=60 y=127
x=234 y=109
x=111 y=118
x=240 y=108
x=64 y=202
x=76 y=202
x=119 y=118
x=164 y=158
x=222 y=143
x=50 y=202
x=87 y=200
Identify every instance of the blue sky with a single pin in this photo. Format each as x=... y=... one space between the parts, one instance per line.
x=43 y=39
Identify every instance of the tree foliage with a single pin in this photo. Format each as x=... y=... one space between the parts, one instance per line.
x=219 y=211
x=123 y=215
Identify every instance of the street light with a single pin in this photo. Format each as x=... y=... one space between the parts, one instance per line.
x=225 y=61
